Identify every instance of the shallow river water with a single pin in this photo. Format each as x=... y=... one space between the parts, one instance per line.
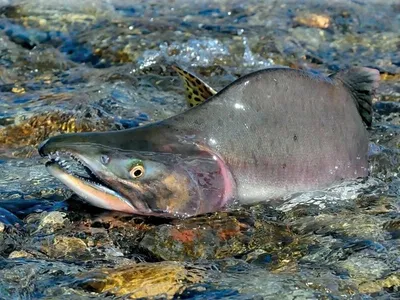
x=81 y=65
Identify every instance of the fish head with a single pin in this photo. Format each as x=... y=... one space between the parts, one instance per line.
x=172 y=181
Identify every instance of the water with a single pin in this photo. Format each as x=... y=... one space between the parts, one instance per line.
x=68 y=66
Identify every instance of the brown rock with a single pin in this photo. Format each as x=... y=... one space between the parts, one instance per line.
x=20 y=254
x=391 y=281
x=30 y=132
x=313 y=20
x=212 y=237
x=144 y=280
x=67 y=248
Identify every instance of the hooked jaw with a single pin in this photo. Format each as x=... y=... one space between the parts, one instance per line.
x=91 y=191
x=90 y=187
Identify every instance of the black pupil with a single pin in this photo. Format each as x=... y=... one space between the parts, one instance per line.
x=137 y=173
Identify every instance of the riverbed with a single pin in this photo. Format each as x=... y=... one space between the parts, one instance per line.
x=76 y=66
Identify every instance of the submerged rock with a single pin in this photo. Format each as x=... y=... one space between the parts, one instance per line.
x=144 y=280
x=361 y=226
x=393 y=227
x=20 y=254
x=63 y=247
x=46 y=222
x=220 y=235
x=25 y=136
x=54 y=220
x=392 y=281
x=363 y=269
x=313 y=20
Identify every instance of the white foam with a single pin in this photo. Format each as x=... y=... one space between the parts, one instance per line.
x=333 y=195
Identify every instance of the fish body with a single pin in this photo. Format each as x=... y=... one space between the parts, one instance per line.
x=266 y=135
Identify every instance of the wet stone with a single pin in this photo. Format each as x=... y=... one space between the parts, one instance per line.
x=393 y=227
x=361 y=226
x=302 y=210
x=144 y=279
x=377 y=205
x=54 y=219
x=8 y=218
x=313 y=20
x=29 y=133
x=48 y=222
x=22 y=278
x=66 y=248
x=312 y=37
x=112 y=234
x=217 y=236
x=20 y=254
x=390 y=282
x=276 y=262
x=364 y=268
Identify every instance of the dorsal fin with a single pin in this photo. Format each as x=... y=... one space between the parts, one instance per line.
x=362 y=83
x=196 y=90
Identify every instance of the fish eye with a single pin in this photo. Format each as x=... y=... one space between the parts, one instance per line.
x=137 y=171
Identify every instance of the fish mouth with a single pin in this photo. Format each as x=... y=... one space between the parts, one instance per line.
x=71 y=170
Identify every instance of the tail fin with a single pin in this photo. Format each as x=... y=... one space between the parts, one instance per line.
x=197 y=91
x=362 y=83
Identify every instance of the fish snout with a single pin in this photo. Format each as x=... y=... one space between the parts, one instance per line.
x=42 y=148
x=61 y=142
